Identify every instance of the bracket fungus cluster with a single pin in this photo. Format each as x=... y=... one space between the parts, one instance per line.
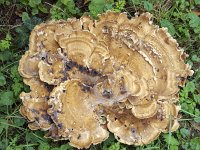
x=88 y=77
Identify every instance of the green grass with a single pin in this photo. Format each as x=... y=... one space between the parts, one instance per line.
x=15 y=27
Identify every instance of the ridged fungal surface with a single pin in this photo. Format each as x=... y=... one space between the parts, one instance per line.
x=88 y=77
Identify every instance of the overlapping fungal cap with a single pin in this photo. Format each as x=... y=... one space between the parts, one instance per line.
x=81 y=127
x=35 y=105
x=88 y=77
x=130 y=129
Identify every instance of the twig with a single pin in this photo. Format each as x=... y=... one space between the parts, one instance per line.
x=12 y=26
x=54 y=6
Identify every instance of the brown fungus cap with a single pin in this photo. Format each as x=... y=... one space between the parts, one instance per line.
x=81 y=127
x=35 y=105
x=88 y=77
x=28 y=66
x=128 y=129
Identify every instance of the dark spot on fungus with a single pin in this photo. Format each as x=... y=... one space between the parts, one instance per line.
x=61 y=50
x=47 y=98
x=64 y=79
x=54 y=116
x=83 y=69
x=43 y=110
x=133 y=130
x=94 y=72
x=35 y=111
x=68 y=66
x=117 y=137
x=37 y=119
x=122 y=90
x=43 y=58
x=60 y=125
x=46 y=117
x=107 y=93
x=85 y=87
x=79 y=136
x=58 y=111
x=166 y=40
x=49 y=63
x=49 y=87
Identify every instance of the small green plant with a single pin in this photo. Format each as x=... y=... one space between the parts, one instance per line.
x=35 y=5
x=166 y=23
x=171 y=141
x=4 y=46
x=119 y=5
x=24 y=30
x=5 y=2
x=64 y=9
x=57 y=13
x=148 y=6
x=103 y=5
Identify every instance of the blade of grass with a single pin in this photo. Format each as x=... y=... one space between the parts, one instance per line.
x=28 y=145
x=12 y=125
x=149 y=148
x=170 y=133
x=9 y=65
x=38 y=136
x=187 y=119
x=186 y=112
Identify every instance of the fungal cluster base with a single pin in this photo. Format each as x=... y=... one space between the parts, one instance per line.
x=90 y=77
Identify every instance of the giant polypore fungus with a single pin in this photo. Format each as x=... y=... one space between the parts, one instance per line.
x=88 y=77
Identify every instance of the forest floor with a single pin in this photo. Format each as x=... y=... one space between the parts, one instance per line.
x=18 y=18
